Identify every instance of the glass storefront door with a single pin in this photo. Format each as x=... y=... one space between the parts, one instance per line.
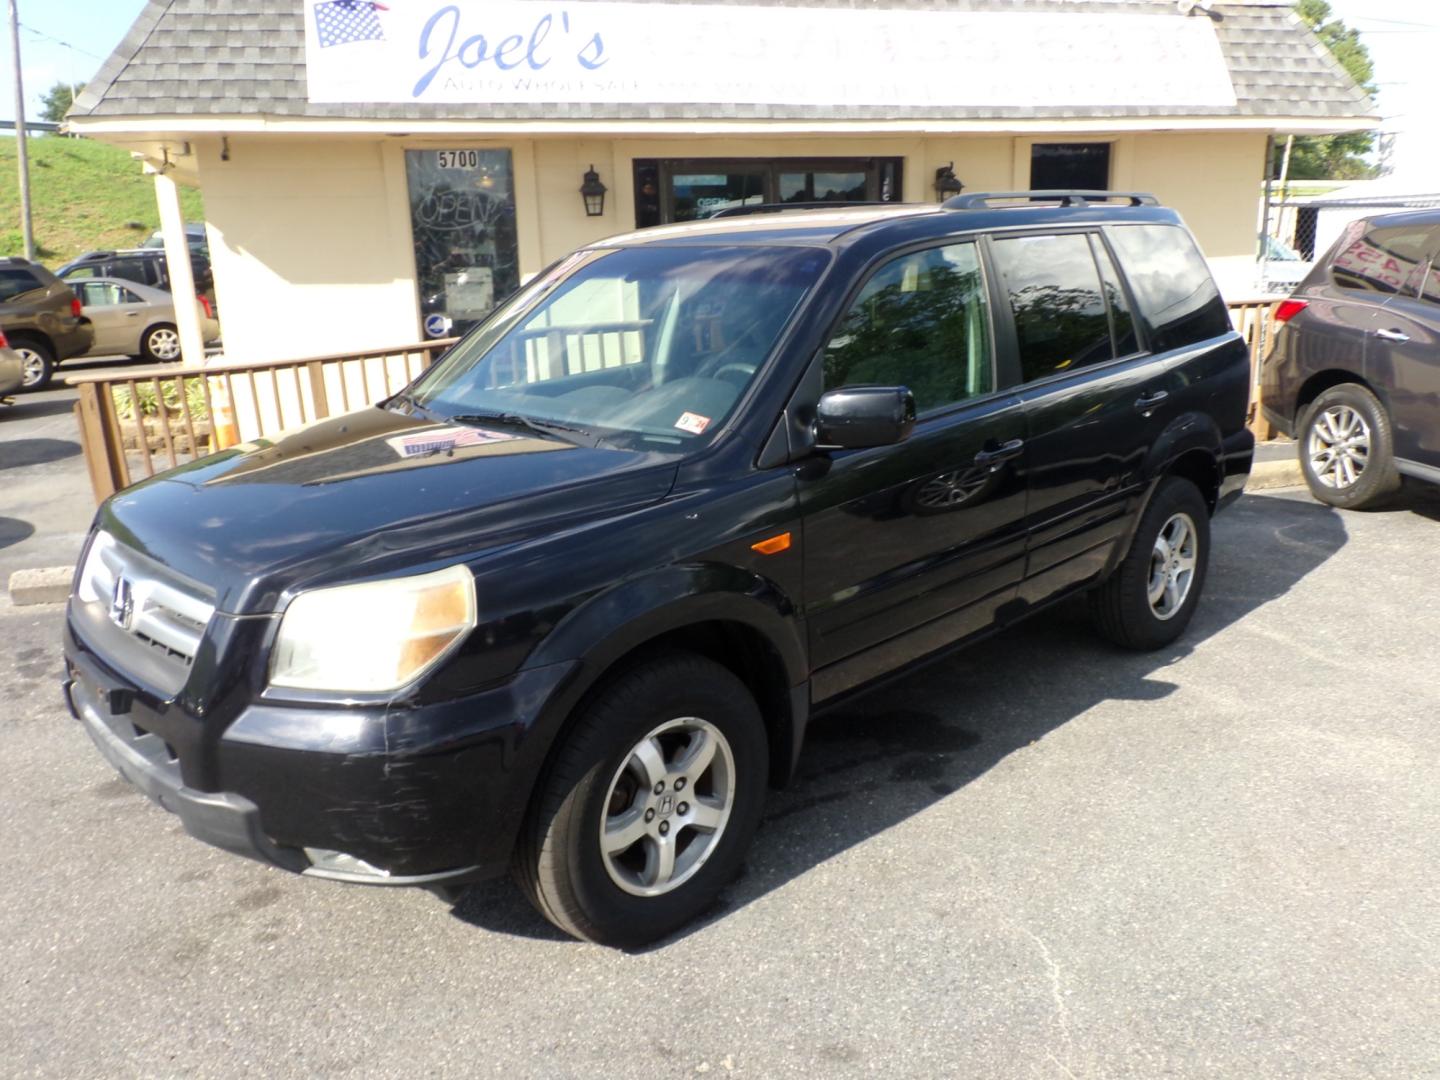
x=462 y=210
x=688 y=190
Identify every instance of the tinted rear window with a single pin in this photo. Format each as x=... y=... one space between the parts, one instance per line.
x=1389 y=259
x=1172 y=285
x=1060 y=316
x=14 y=282
x=141 y=270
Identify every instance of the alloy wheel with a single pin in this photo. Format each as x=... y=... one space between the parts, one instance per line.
x=1172 y=566
x=667 y=807
x=33 y=366
x=1339 y=446
x=164 y=344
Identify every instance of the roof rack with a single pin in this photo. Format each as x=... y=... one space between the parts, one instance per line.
x=777 y=208
x=981 y=200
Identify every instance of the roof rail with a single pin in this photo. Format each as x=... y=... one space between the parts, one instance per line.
x=981 y=200
x=781 y=207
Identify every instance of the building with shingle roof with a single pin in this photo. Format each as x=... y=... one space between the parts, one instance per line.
x=371 y=173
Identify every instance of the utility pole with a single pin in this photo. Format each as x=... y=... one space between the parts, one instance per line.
x=22 y=136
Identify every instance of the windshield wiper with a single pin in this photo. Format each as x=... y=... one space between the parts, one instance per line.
x=539 y=425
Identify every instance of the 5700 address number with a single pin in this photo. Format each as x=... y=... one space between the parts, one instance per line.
x=458 y=159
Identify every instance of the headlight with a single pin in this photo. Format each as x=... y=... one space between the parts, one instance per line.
x=374 y=636
x=97 y=580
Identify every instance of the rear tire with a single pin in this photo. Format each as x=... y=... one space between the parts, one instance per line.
x=161 y=344
x=38 y=361
x=1347 y=449
x=1150 y=598
x=673 y=754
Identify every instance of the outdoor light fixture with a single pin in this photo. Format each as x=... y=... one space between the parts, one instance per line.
x=593 y=192
x=947 y=183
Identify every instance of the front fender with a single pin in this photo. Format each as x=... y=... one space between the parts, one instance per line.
x=637 y=610
x=588 y=642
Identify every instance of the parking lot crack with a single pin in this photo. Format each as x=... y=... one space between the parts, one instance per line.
x=1062 y=1011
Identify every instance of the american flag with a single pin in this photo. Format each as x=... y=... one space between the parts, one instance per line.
x=341 y=22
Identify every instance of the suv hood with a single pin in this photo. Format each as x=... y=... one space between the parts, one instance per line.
x=369 y=493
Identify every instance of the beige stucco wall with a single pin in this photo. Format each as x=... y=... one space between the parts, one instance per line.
x=310 y=236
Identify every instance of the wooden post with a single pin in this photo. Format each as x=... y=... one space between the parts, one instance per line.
x=99 y=446
x=318 y=397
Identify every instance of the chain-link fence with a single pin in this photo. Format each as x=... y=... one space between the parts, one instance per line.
x=1298 y=230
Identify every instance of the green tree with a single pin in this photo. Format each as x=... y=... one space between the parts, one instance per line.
x=1333 y=157
x=56 y=102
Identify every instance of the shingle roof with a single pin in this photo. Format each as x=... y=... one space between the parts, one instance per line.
x=247 y=57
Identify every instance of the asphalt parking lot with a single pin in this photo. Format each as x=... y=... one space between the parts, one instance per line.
x=1039 y=858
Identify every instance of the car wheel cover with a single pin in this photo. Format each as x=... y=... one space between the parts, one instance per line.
x=164 y=344
x=1339 y=447
x=667 y=807
x=1172 y=566
x=33 y=366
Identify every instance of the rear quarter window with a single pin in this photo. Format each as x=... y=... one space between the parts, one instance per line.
x=16 y=282
x=1173 y=288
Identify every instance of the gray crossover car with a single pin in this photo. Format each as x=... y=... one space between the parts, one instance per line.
x=1355 y=372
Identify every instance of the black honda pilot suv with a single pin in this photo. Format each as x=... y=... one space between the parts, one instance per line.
x=567 y=604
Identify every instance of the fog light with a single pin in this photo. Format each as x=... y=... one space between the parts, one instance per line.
x=337 y=862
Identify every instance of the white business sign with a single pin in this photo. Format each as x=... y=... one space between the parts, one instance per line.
x=522 y=52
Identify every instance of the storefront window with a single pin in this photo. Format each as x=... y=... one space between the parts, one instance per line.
x=462 y=209
x=673 y=191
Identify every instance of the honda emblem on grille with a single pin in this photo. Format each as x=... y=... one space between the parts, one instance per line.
x=122 y=604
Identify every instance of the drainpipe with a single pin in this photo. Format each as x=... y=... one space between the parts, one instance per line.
x=177 y=255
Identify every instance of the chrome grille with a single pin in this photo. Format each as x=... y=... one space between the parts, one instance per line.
x=165 y=617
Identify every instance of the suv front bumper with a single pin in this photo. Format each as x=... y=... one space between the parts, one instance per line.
x=427 y=795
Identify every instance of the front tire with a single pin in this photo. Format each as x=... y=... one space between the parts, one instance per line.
x=1347 y=449
x=650 y=805
x=1150 y=598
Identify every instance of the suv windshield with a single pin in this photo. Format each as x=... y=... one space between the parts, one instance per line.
x=646 y=344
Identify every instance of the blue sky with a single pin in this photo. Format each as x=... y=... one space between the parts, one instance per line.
x=68 y=39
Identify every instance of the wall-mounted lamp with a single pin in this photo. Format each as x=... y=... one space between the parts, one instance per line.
x=947 y=183
x=593 y=192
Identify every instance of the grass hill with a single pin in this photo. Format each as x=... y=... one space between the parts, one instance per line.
x=85 y=195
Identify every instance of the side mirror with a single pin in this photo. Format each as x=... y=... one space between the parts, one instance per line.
x=855 y=417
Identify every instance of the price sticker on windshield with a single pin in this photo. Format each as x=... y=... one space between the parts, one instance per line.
x=694 y=423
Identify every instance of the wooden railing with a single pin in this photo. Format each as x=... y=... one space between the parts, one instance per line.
x=1255 y=320
x=135 y=422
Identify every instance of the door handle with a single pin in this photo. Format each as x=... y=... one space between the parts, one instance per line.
x=993 y=459
x=1398 y=336
x=1146 y=402
x=132 y=314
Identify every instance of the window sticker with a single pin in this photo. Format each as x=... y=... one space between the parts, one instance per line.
x=444 y=440
x=694 y=423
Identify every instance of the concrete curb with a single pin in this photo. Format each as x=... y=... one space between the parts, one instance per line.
x=48 y=585
x=1266 y=475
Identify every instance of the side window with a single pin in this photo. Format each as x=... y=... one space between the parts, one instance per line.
x=1122 y=323
x=131 y=270
x=922 y=322
x=13 y=283
x=1383 y=260
x=104 y=294
x=80 y=273
x=1173 y=288
x=1054 y=289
